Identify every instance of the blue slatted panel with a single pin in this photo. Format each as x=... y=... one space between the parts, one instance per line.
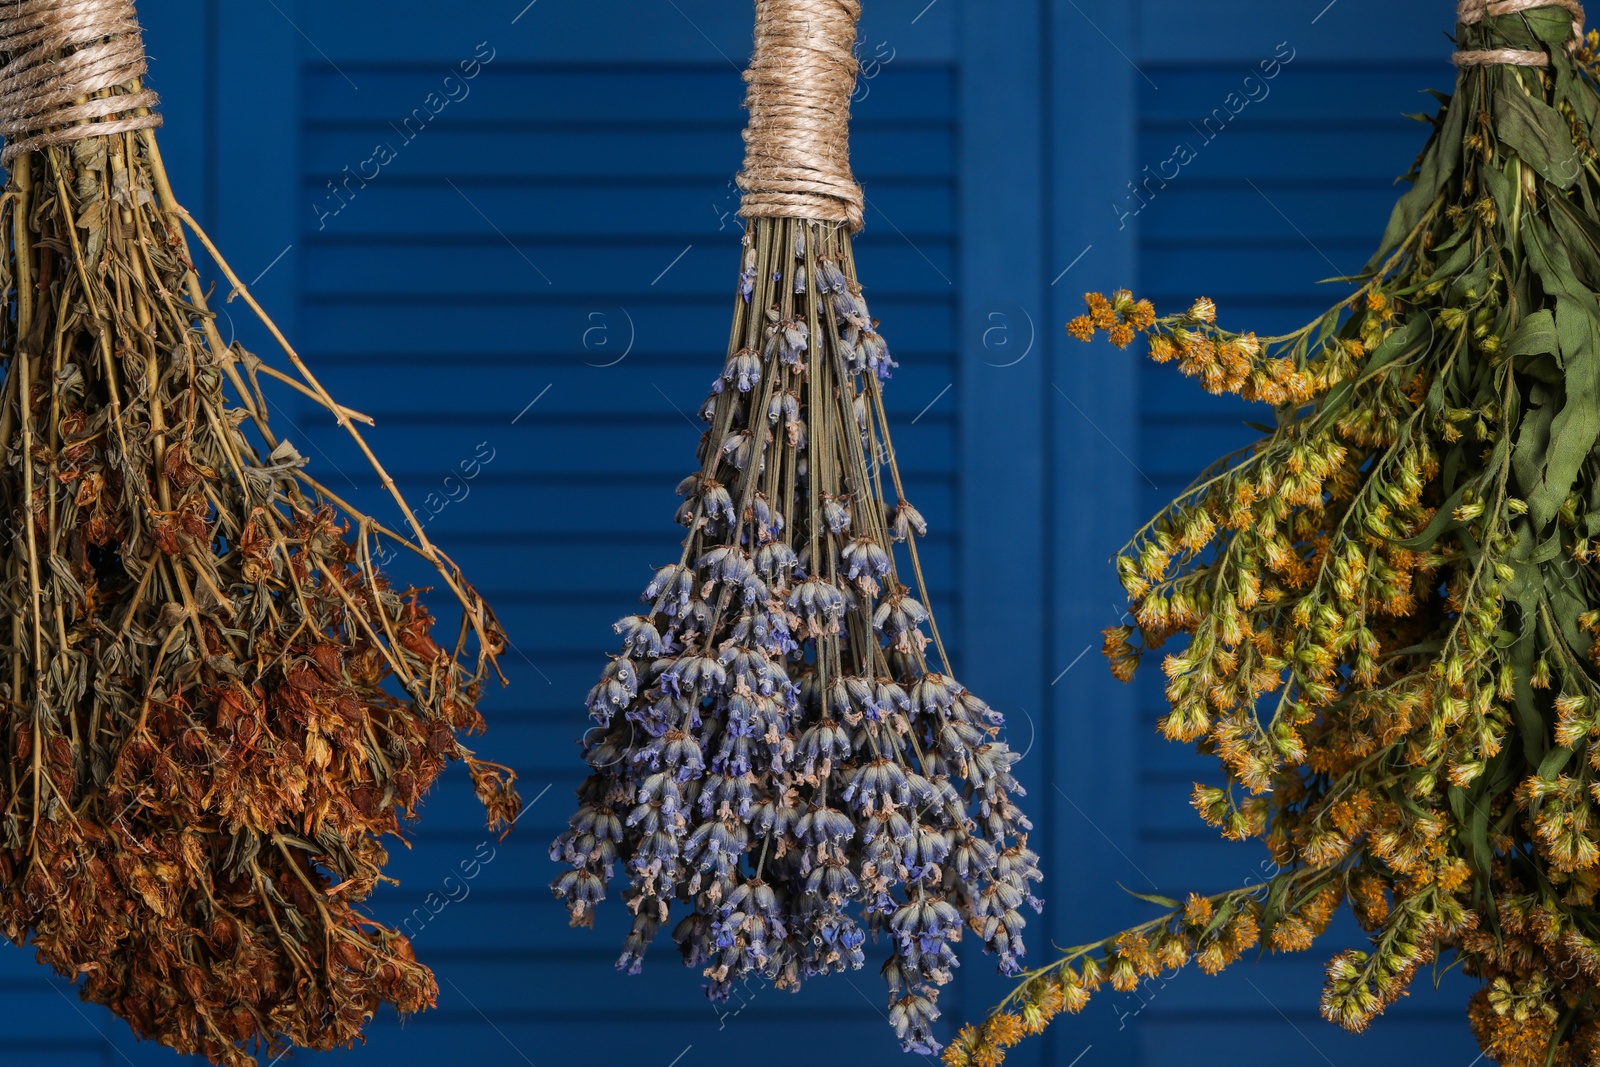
x=541 y=273
x=1286 y=181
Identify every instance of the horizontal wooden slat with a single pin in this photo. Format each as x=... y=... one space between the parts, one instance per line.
x=707 y=32
x=694 y=209
x=456 y=389
x=1306 y=88
x=513 y=93
x=494 y=267
x=1237 y=32
x=674 y=323
x=1298 y=152
x=651 y=1036
x=1233 y=214
x=444 y=148
x=660 y=445
x=1262 y=1037
x=1282 y=268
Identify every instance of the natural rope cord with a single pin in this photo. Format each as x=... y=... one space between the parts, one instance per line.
x=58 y=57
x=797 y=145
x=1472 y=12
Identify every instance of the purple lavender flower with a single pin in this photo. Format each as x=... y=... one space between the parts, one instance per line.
x=830 y=280
x=818 y=606
x=836 y=514
x=639 y=636
x=747 y=276
x=871 y=355
x=671 y=589
x=823 y=744
x=899 y=619
x=779 y=762
x=742 y=372
x=912 y=1017
x=787 y=342
x=768 y=520
x=615 y=690
x=865 y=560
x=908 y=521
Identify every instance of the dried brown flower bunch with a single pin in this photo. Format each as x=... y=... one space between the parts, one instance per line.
x=213 y=706
x=1390 y=602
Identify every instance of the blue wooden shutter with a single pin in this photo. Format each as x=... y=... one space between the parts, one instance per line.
x=588 y=217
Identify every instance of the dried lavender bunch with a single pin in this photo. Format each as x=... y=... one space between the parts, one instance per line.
x=1390 y=599
x=781 y=768
x=214 y=705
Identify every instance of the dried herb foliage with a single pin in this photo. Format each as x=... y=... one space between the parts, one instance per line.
x=777 y=751
x=214 y=706
x=1391 y=599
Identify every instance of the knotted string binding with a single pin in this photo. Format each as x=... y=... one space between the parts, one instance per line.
x=797 y=145
x=1472 y=12
x=61 y=59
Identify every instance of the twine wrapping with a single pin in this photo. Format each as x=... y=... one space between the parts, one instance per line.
x=797 y=145
x=1472 y=12
x=63 y=61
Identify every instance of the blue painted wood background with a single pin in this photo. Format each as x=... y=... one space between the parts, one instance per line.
x=537 y=270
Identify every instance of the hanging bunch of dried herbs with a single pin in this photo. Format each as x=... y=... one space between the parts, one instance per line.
x=1391 y=600
x=782 y=767
x=214 y=706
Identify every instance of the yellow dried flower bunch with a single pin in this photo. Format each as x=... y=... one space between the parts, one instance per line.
x=1382 y=615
